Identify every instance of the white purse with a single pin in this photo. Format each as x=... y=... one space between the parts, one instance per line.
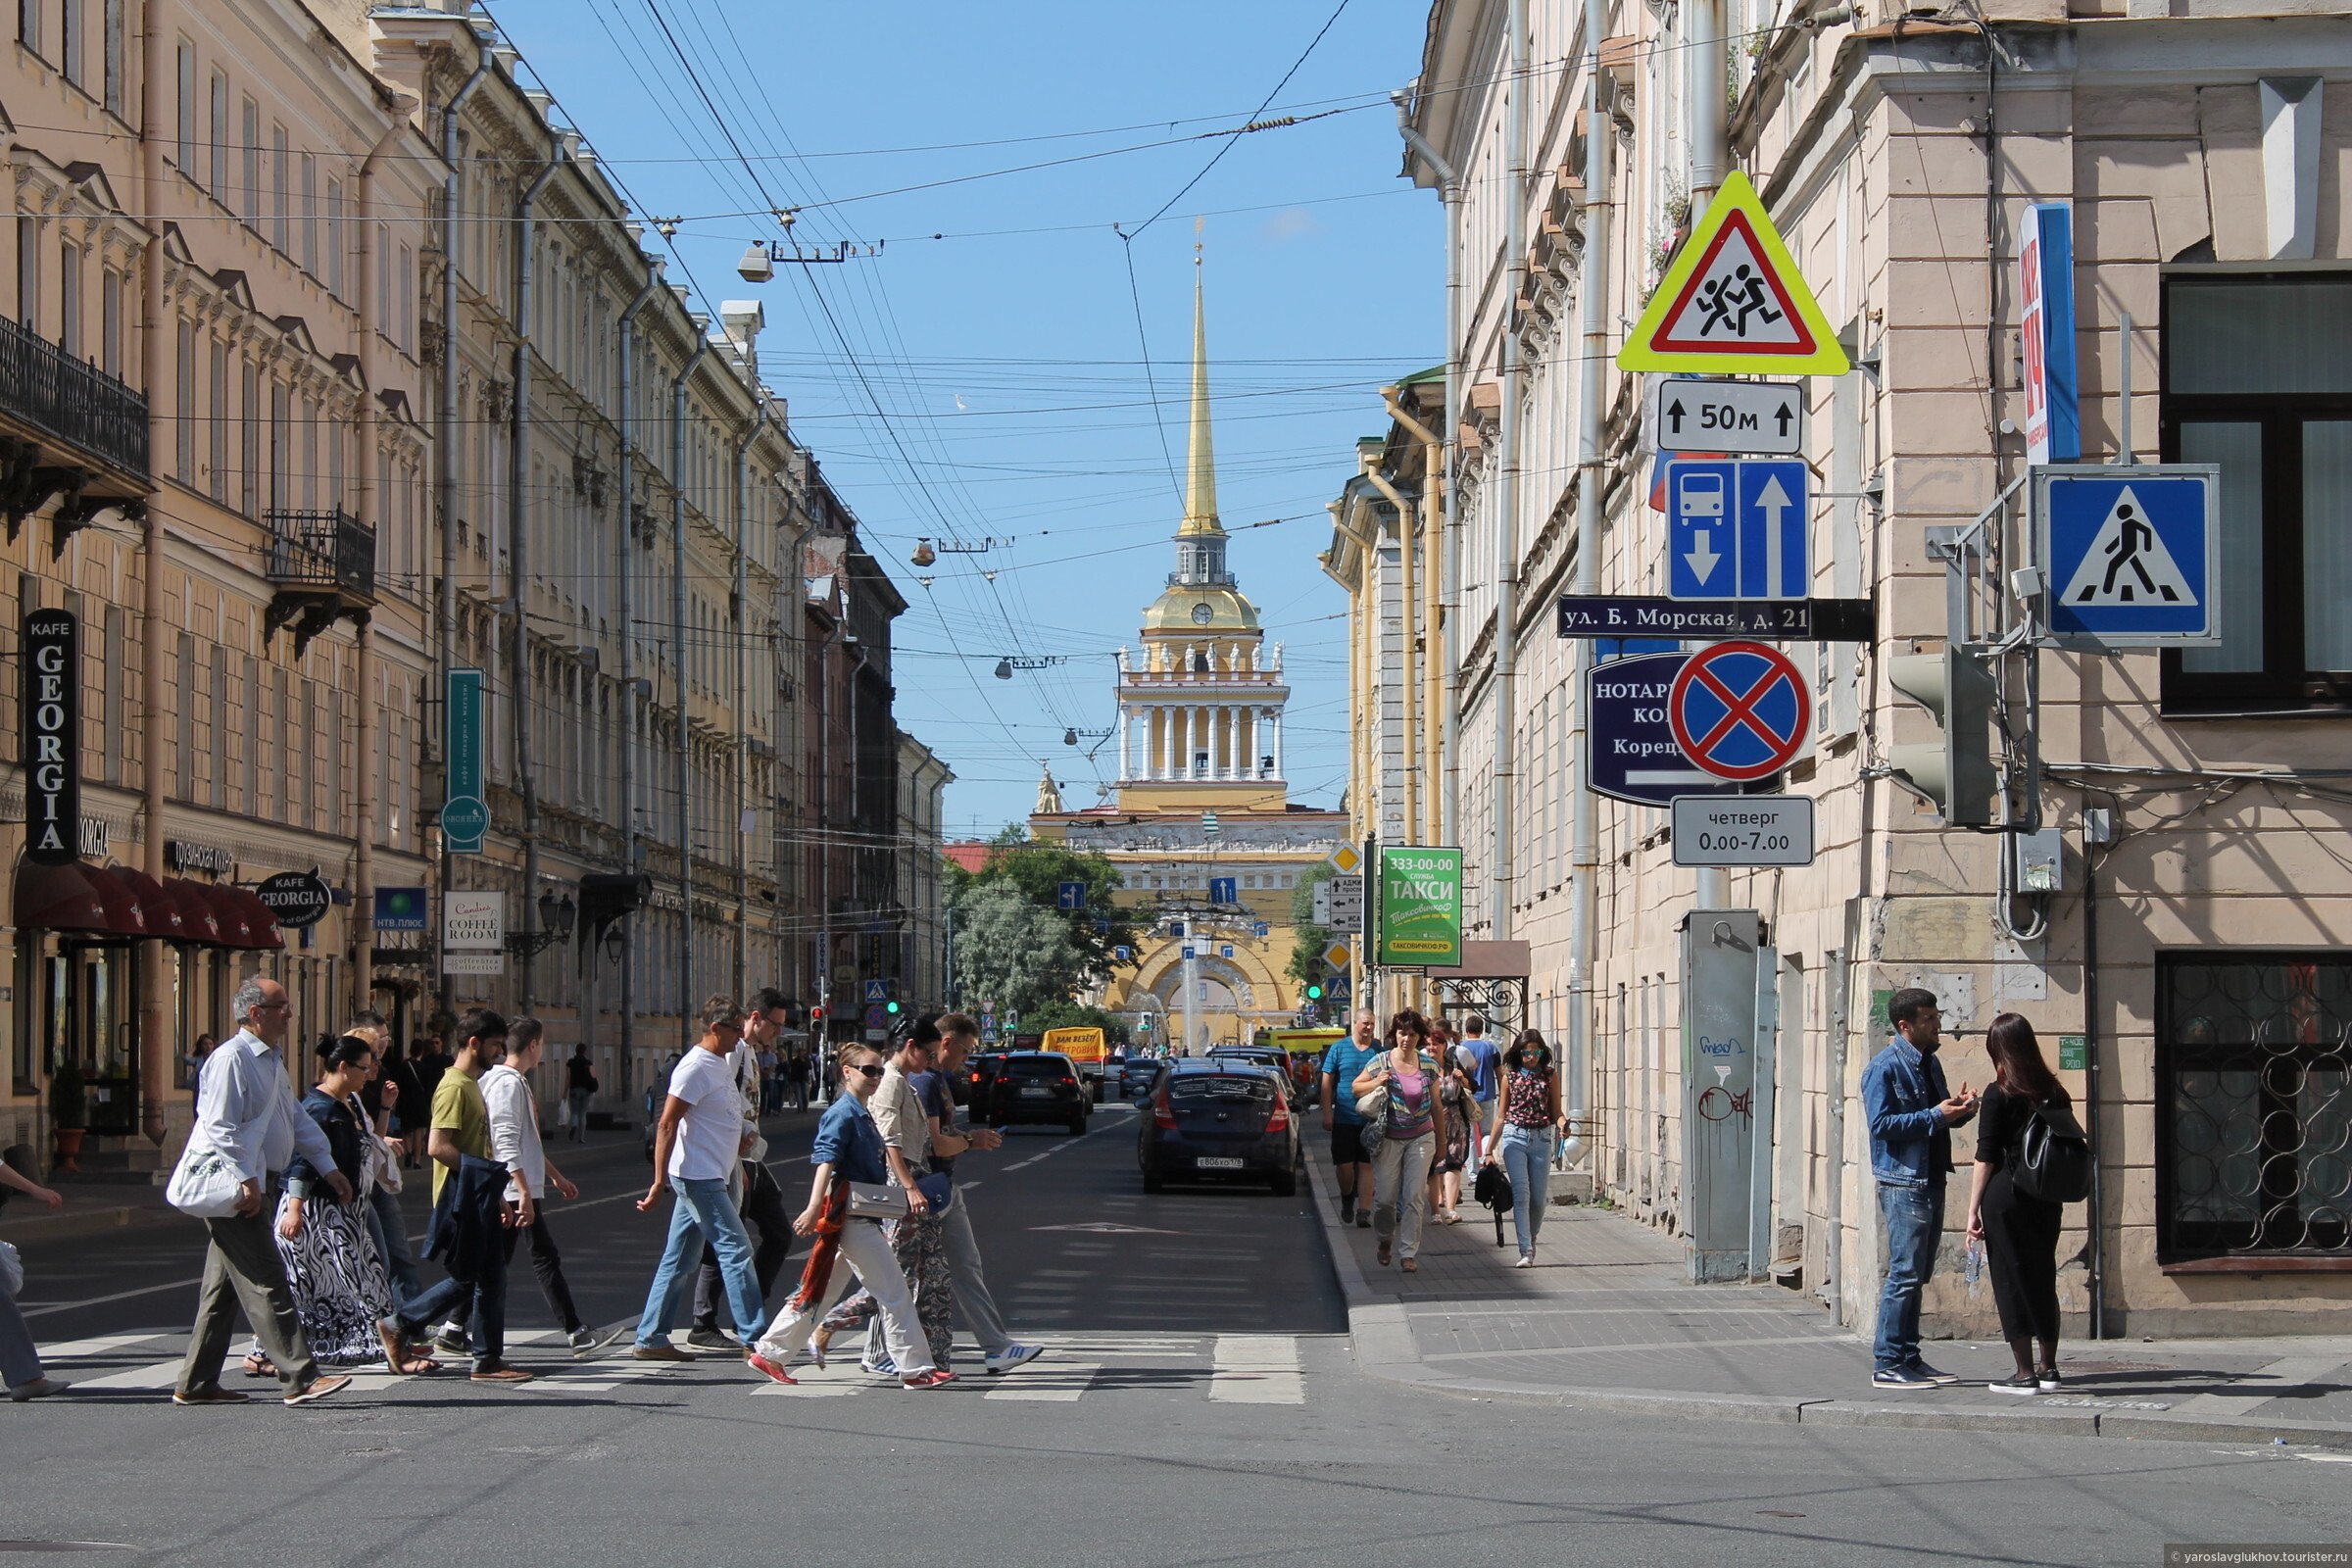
x=12 y=1271
x=203 y=1184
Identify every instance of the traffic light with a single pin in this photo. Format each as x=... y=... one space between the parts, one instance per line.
x=816 y=1020
x=1956 y=773
x=1315 y=993
x=891 y=1007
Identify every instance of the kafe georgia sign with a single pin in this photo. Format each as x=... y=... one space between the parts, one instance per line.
x=51 y=745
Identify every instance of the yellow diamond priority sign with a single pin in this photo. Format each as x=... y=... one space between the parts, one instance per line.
x=1732 y=302
x=1346 y=860
x=1338 y=955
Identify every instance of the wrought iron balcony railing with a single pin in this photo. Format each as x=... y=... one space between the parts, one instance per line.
x=73 y=401
x=321 y=551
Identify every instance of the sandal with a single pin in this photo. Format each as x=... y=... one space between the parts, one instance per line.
x=1412 y=1265
x=416 y=1366
x=818 y=1342
x=258 y=1366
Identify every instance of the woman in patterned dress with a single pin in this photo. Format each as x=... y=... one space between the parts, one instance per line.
x=338 y=1282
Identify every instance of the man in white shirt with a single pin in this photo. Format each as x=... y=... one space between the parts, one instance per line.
x=515 y=1142
x=758 y=1198
x=247 y=1113
x=697 y=1146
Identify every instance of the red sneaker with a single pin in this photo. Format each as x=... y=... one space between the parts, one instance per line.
x=770 y=1370
x=937 y=1378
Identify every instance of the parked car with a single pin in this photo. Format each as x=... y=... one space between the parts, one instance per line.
x=1216 y=1118
x=1039 y=1086
x=1273 y=1057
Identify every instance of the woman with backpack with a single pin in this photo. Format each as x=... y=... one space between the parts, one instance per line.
x=2018 y=1230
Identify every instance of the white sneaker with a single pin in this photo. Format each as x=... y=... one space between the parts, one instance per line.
x=1012 y=1355
x=1526 y=1260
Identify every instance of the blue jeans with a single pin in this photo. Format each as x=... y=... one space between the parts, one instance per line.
x=1913 y=1221
x=702 y=1212
x=481 y=1305
x=392 y=1243
x=1526 y=1161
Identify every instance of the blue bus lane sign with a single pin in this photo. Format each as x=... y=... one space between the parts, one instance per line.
x=1632 y=752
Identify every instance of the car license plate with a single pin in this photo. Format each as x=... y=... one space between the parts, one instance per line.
x=1217 y=1162
x=1035 y=1094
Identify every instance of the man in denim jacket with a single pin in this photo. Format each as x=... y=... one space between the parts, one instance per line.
x=1911 y=1120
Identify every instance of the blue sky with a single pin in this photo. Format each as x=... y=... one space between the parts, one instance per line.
x=993 y=383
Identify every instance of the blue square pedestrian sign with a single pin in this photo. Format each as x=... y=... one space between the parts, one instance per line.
x=1735 y=528
x=877 y=991
x=2130 y=554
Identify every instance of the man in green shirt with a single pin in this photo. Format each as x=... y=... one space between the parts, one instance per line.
x=461 y=1117
x=460 y=1127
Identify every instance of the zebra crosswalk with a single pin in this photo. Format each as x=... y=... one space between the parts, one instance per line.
x=1229 y=1368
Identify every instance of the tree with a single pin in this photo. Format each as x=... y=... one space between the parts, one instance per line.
x=1306 y=951
x=1012 y=953
x=1038 y=870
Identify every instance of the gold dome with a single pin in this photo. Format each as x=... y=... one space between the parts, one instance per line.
x=1180 y=609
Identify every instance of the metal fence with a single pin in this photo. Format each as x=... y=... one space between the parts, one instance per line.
x=330 y=549
x=72 y=400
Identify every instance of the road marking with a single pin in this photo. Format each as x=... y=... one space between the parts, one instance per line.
x=1070 y=1143
x=1256 y=1369
x=100 y=1346
x=2271 y=1382
x=1053 y=1383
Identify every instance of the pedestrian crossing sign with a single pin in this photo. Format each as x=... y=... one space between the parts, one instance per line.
x=1732 y=301
x=2130 y=554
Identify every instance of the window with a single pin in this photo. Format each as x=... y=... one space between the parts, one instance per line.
x=183 y=414
x=2253 y=1103
x=383 y=280
x=282 y=445
x=407 y=299
x=249 y=424
x=281 y=172
x=335 y=243
x=113 y=58
x=117 y=664
x=68 y=40
x=110 y=322
x=29 y=272
x=2257 y=379
x=216 y=164
x=69 y=300
x=309 y=215
x=249 y=190
x=217 y=413
x=183 y=129
x=28 y=23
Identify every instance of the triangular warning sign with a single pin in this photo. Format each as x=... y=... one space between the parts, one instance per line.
x=2128 y=563
x=1731 y=301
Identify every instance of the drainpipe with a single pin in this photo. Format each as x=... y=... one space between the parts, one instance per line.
x=155 y=1013
x=632 y=713
x=1409 y=541
x=446 y=443
x=1710 y=111
x=1447 y=583
x=518 y=534
x=687 y=1008
x=1584 y=841
x=742 y=864
x=1434 y=498
x=1500 y=874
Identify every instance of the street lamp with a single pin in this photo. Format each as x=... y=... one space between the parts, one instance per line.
x=556 y=919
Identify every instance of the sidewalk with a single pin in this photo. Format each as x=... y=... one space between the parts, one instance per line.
x=1604 y=1320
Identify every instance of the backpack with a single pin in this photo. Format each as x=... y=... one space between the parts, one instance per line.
x=2054 y=1161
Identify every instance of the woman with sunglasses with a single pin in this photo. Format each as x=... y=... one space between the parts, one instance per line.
x=1414 y=1127
x=849 y=1150
x=1523 y=1136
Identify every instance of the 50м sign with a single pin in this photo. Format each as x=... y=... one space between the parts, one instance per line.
x=1420 y=905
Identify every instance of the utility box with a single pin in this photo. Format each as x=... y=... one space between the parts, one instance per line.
x=2041 y=861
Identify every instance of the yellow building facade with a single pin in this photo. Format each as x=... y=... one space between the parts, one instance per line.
x=1209 y=850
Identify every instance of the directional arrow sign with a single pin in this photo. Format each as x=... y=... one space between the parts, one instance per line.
x=1735 y=528
x=1765 y=418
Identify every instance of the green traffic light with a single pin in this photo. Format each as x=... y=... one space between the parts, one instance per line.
x=890 y=1007
x=1315 y=993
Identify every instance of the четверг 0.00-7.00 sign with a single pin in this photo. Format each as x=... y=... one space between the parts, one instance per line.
x=1420 y=907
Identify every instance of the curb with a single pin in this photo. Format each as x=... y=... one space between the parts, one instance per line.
x=1383 y=1343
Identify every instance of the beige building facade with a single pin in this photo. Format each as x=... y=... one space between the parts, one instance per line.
x=2189 y=966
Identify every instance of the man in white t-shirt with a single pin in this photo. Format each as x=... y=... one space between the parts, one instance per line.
x=513 y=1113
x=697 y=1144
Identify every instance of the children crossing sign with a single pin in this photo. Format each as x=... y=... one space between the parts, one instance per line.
x=2130 y=554
x=1732 y=301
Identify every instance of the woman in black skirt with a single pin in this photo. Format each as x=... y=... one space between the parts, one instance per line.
x=2019 y=1232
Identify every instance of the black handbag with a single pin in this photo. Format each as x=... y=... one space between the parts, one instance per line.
x=1493 y=1188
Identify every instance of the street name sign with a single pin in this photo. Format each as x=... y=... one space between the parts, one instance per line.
x=1740 y=710
x=1747 y=830
x=1346 y=902
x=1764 y=418
x=2132 y=554
x=1735 y=528
x=1731 y=301
x=1631 y=753
x=1772 y=620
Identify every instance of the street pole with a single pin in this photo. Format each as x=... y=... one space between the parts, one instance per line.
x=677 y=662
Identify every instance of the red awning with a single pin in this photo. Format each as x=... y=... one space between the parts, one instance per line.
x=157 y=908
x=123 y=915
x=198 y=921
x=60 y=897
x=236 y=924
x=258 y=919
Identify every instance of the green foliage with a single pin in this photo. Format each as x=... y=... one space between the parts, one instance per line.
x=1075 y=1016
x=1011 y=953
x=1037 y=870
x=69 y=1098
x=1306 y=952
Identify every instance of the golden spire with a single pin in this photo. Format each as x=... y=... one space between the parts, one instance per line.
x=1201 y=468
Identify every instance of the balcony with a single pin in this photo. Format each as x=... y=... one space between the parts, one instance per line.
x=88 y=435
x=323 y=565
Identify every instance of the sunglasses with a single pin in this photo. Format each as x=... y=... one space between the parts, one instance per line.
x=867 y=1068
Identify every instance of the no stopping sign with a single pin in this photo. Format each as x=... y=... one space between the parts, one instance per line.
x=1740 y=710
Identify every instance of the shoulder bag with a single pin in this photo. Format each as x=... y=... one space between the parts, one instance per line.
x=877 y=1200
x=203 y=1184
x=2053 y=1156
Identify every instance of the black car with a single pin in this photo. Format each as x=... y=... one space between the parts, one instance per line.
x=1141 y=1078
x=980 y=1084
x=1215 y=1118
x=1038 y=1085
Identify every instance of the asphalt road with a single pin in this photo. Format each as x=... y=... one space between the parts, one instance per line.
x=1200 y=1405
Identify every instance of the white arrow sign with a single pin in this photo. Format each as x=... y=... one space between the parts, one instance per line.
x=1742 y=418
x=1771 y=501
x=1702 y=559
